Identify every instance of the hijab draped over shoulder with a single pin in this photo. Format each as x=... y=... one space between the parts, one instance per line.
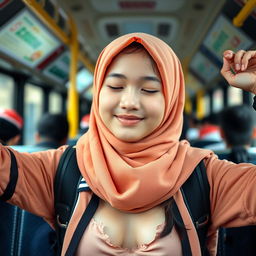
x=136 y=176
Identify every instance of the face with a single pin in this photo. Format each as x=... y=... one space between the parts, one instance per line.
x=131 y=100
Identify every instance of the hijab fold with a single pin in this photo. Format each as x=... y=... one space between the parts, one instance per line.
x=137 y=176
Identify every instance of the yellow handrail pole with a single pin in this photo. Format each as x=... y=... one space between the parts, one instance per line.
x=199 y=103
x=72 y=91
x=49 y=22
x=244 y=13
x=188 y=104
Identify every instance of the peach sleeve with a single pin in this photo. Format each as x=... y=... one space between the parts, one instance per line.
x=34 y=190
x=232 y=194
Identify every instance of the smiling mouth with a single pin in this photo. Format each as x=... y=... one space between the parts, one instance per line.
x=128 y=120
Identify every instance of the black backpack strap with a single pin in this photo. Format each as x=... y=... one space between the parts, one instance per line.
x=8 y=193
x=66 y=184
x=186 y=249
x=196 y=195
x=83 y=223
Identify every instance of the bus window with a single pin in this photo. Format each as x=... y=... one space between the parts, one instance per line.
x=217 y=100
x=7 y=90
x=55 y=103
x=33 y=111
x=235 y=96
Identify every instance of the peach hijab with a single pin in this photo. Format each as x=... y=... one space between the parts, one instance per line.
x=137 y=176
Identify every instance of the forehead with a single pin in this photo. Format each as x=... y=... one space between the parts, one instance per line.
x=138 y=60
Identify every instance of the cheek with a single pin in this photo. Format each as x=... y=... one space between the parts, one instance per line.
x=157 y=108
x=105 y=103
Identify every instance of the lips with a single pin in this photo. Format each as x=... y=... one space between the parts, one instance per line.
x=128 y=120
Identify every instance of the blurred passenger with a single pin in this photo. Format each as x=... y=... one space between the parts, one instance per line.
x=52 y=131
x=209 y=133
x=210 y=128
x=11 y=124
x=84 y=124
x=237 y=127
x=193 y=130
x=237 y=123
x=10 y=127
x=21 y=229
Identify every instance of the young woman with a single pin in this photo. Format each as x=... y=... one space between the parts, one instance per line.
x=132 y=159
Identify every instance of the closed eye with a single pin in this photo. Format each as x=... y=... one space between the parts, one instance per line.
x=115 y=87
x=150 y=91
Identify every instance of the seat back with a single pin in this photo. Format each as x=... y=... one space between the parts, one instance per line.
x=226 y=154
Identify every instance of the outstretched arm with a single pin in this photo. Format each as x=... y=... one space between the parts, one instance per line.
x=35 y=172
x=239 y=69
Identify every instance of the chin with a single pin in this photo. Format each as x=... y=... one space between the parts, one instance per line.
x=126 y=138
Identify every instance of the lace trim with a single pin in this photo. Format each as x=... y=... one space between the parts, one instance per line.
x=100 y=228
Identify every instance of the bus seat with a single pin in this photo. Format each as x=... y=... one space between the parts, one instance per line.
x=225 y=154
x=24 y=233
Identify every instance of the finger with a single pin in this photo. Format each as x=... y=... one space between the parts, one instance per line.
x=246 y=58
x=228 y=54
x=226 y=71
x=238 y=59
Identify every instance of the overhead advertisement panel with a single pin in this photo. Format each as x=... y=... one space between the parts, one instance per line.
x=224 y=36
x=203 y=68
x=58 y=70
x=26 y=40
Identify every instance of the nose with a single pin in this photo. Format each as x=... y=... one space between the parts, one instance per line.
x=130 y=99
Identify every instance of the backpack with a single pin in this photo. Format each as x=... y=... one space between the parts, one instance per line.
x=66 y=192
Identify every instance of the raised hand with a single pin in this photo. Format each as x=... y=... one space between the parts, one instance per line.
x=239 y=69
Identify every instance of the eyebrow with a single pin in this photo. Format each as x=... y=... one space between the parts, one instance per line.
x=144 y=78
